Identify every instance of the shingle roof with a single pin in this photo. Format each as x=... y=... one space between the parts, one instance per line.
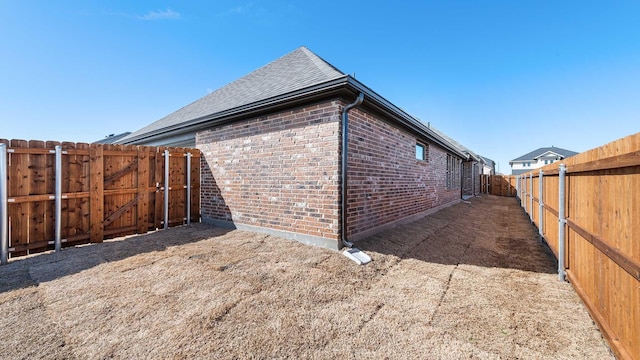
x=110 y=139
x=460 y=147
x=488 y=161
x=296 y=70
x=536 y=153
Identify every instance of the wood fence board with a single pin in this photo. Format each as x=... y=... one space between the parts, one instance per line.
x=83 y=162
x=68 y=205
x=112 y=200
x=97 y=193
x=159 y=179
x=37 y=186
x=110 y=197
x=177 y=183
x=551 y=230
x=128 y=181
x=499 y=185
x=50 y=188
x=153 y=189
x=603 y=225
x=618 y=348
x=130 y=168
x=536 y=204
x=142 y=210
x=108 y=191
x=19 y=181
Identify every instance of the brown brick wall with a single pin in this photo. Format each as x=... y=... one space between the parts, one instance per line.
x=386 y=181
x=279 y=171
x=467 y=180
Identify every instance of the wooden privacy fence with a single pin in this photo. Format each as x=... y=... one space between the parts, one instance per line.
x=61 y=194
x=500 y=185
x=587 y=209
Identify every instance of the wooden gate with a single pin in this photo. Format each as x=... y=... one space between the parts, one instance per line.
x=499 y=185
x=107 y=191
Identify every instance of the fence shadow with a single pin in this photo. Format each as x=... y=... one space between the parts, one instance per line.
x=31 y=271
x=489 y=232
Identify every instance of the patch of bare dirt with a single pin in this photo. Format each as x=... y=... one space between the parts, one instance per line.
x=471 y=281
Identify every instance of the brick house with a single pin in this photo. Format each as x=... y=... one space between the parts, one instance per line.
x=273 y=151
x=539 y=158
x=472 y=166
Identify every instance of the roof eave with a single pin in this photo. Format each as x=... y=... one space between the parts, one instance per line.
x=305 y=94
x=402 y=117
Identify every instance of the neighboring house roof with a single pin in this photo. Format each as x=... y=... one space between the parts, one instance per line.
x=297 y=77
x=488 y=161
x=564 y=153
x=112 y=138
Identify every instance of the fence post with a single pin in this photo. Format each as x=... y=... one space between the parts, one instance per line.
x=524 y=193
x=523 y=187
x=561 y=222
x=4 y=208
x=518 y=186
x=58 y=220
x=189 y=188
x=531 y=196
x=540 y=204
x=166 y=189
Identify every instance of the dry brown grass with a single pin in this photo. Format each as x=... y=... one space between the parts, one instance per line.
x=471 y=281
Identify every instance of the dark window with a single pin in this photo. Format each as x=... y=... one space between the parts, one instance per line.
x=453 y=172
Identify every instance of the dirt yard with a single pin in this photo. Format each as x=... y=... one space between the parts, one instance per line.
x=471 y=281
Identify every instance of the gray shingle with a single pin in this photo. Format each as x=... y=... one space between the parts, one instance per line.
x=111 y=139
x=459 y=146
x=488 y=161
x=296 y=70
x=535 y=153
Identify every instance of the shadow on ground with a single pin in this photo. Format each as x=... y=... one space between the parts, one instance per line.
x=484 y=232
x=30 y=271
x=204 y=292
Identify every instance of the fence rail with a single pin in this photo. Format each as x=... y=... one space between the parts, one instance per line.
x=61 y=194
x=586 y=208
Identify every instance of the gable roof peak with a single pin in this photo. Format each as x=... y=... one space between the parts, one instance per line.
x=538 y=152
x=299 y=69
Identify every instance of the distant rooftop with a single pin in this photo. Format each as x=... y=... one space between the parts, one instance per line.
x=112 y=138
x=538 y=152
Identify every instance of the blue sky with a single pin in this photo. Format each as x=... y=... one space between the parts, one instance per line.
x=501 y=77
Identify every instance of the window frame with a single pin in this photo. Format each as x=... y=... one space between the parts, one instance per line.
x=453 y=179
x=425 y=151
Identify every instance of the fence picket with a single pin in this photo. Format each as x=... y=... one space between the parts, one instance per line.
x=107 y=191
x=601 y=251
